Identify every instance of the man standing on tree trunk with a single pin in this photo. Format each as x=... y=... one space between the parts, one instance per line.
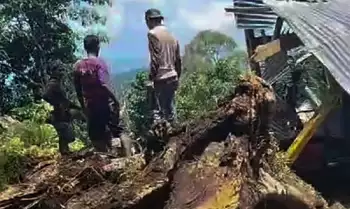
x=165 y=66
x=96 y=97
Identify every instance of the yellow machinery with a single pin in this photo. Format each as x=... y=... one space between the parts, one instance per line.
x=306 y=134
x=329 y=102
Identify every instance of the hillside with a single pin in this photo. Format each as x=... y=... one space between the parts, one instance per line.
x=122 y=80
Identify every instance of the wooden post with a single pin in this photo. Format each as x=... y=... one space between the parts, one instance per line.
x=278 y=28
x=251 y=45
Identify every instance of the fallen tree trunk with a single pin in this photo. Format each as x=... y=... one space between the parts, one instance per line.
x=227 y=160
x=243 y=172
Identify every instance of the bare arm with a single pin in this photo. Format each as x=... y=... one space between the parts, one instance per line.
x=153 y=50
x=178 y=60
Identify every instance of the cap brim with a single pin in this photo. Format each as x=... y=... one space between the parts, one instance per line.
x=155 y=16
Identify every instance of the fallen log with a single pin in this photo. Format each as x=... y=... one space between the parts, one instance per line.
x=226 y=160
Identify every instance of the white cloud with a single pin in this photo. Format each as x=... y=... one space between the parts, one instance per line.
x=114 y=23
x=211 y=16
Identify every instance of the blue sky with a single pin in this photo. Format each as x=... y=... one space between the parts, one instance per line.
x=126 y=27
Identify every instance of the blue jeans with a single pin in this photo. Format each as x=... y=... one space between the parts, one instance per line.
x=164 y=107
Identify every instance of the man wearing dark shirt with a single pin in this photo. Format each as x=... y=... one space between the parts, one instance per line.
x=96 y=97
x=60 y=118
x=165 y=65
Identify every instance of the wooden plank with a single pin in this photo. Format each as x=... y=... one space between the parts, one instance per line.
x=251 y=44
x=249 y=36
x=285 y=43
x=266 y=50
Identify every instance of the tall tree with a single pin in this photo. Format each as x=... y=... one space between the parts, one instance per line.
x=88 y=17
x=206 y=48
x=137 y=108
x=33 y=33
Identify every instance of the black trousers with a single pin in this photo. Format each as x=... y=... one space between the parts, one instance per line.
x=65 y=135
x=103 y=124
x=62 y=123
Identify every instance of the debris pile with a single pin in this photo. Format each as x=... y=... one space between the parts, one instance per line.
x=226 y=160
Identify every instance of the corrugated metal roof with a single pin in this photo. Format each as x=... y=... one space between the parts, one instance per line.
x=324 y=28
x=252 y=14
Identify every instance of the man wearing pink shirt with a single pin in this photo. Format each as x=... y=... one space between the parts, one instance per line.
x=96 y=97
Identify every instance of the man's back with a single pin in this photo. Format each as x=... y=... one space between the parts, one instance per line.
x=93 y=73
x=164 y=52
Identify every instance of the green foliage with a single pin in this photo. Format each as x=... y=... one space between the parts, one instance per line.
x=21 y=142
x=33 y=33
x=122 y=81
x=201 y=91
x=88 y=17
x=206 y=48
x=30 y=138
x=34 y=112
x=15 y=153
x=32 y=133
x=137 y=106
x=77 y=145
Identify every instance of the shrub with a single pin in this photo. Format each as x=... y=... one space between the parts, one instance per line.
x=29 y=139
